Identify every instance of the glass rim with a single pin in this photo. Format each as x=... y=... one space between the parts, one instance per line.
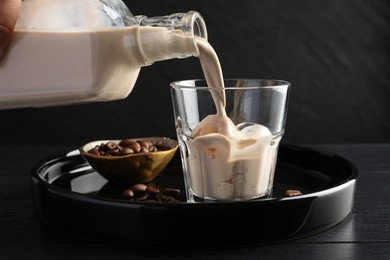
x=261 y=83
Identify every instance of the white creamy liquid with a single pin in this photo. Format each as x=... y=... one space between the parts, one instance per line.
x=54 y=67
x=228 y=162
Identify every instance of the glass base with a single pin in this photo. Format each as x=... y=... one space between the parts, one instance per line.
x=193 y=198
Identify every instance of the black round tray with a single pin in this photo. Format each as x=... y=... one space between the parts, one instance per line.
x=71 y=196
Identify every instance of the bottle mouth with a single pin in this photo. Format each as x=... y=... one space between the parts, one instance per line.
x=191 y=23
x=196 y=24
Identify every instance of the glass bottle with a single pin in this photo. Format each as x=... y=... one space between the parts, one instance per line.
x=72 y=51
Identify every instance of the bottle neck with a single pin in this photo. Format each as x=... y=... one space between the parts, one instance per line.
x=167 y=37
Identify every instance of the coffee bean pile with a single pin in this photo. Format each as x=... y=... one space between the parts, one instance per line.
x=142 y=192
x=128 y=146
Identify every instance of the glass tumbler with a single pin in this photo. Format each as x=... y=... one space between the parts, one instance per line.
x=229 y=155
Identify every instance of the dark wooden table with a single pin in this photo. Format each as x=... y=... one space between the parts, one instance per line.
x=364 y=235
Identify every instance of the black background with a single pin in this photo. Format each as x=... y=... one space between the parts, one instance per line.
x=335 y=53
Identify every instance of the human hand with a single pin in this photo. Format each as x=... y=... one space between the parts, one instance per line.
x=9 y=12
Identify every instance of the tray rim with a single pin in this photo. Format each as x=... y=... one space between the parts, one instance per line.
x=339 y=186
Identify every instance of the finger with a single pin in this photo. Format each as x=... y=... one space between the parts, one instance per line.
x=9 y=12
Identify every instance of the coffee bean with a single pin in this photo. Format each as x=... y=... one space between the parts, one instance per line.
x=141 y=192
x=165 y=198
x=171 y=192
x=139 y=188
x=126 y=142
x=152 y=191
x=145 y=144
x=94 y=151
x=162 y=147
x=113 y=152
x=111 y=145
x=136 y=147
x=293 y=192
x=144 y=150
x=126 y=150
x=128 y=194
